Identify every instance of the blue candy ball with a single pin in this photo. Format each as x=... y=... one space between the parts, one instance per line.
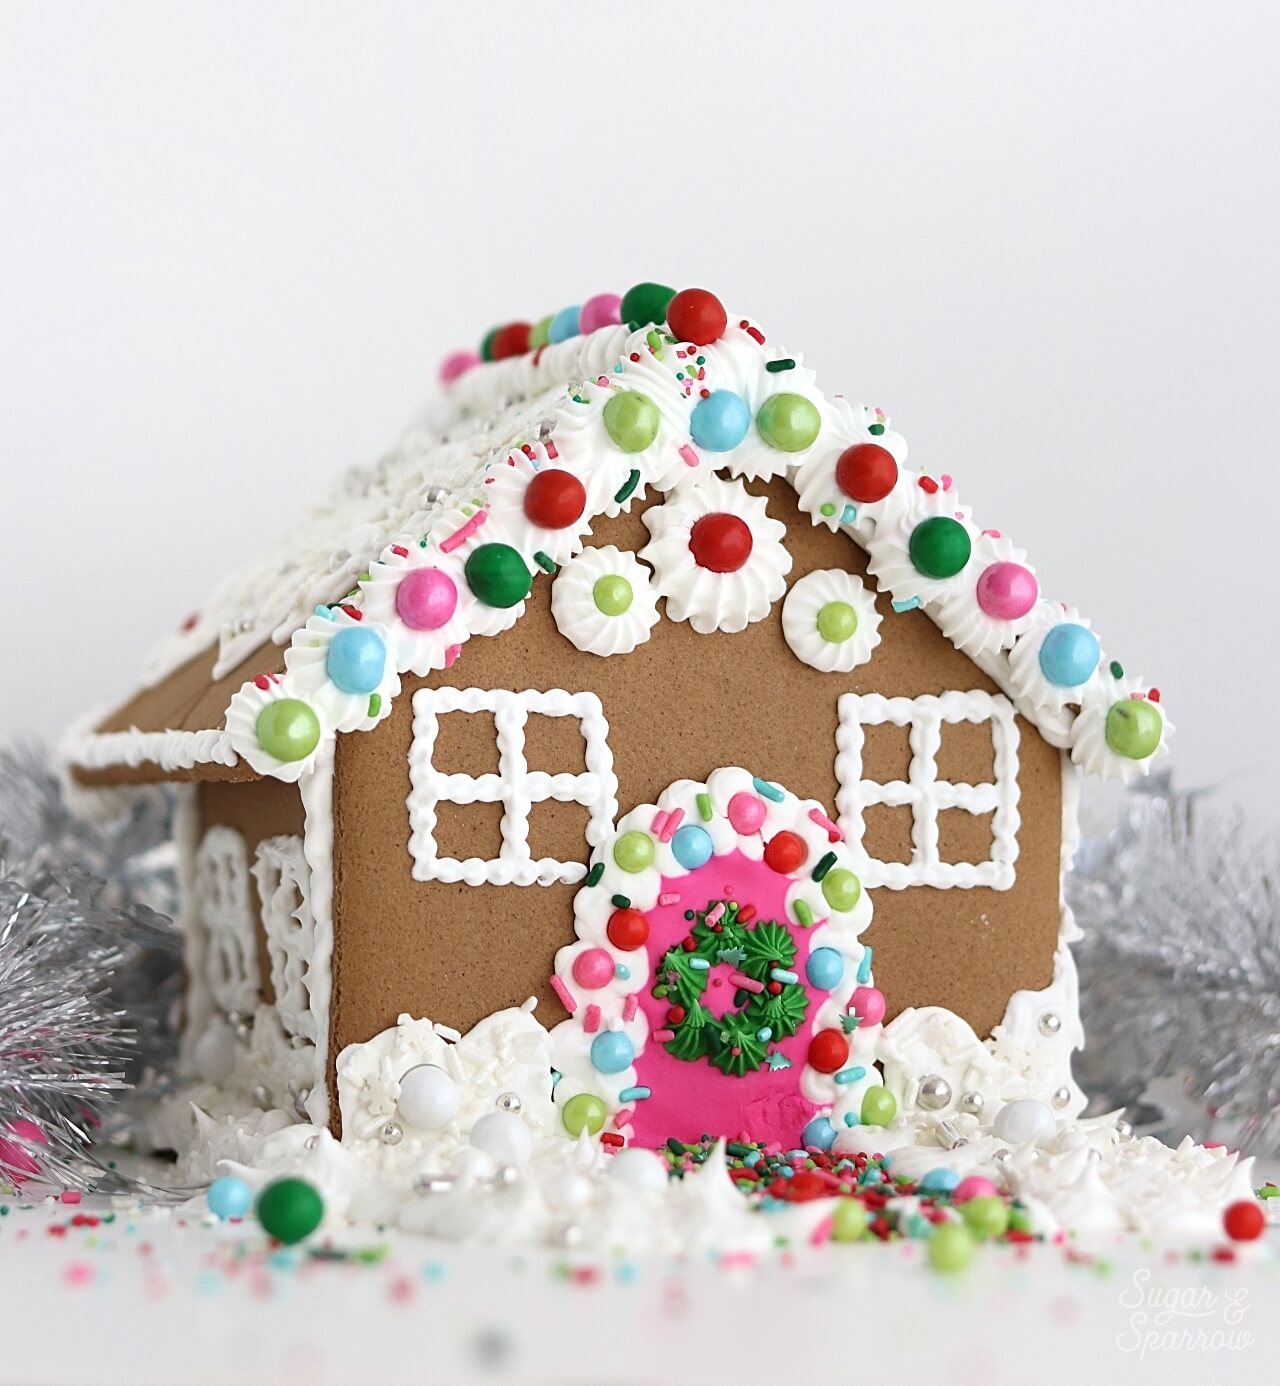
x=824 y=968
x=357 y=659
x=819 y=1132
x=229 y=1197
x=691 y=846
x=564 y=325
x=1069 y=654
x=611 y=1051
x=940 y=1180
x=720 y=422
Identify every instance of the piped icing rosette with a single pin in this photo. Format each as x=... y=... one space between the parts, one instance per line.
x=342 y=664
x=848 y=479
x=717 y=556
x=420 y=596
x=1053 y=660
x=1119 y=730
x=603 y=601
x=923 y=544
x=993 y=599
x=538 y=502
x=830 y=621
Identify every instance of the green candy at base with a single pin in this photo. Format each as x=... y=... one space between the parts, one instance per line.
x=612 y=594
x=540 y=335
x=288 y=729
x=634 y=851
x=951 y=1247
x=1134 y=728
x=486 y=344
x=841 y=889
x=879 y=1107
x=985 y=1216
x=497 y=575
x=631 y=420
x=645 y=303
x=940 y=547
x=585 y=1112
x=850 y=1221
x=788 y=422
x=289 y=1210
x=837 y=622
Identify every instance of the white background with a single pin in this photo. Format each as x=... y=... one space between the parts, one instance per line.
x=235 y=241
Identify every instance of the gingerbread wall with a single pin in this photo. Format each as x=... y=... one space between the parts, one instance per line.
x=679 y=707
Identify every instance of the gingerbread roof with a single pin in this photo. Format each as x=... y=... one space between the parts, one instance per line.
x=439 y=541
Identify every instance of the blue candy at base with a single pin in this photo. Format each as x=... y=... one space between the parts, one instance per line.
x=819 y=1132
x=357 y=659
x=720 y=422
x=229 y=1197
x=691 y=846
x=565 y=324
x=940 y=1180
x=611 y=1052
x=824 y=968
x=1069 y=654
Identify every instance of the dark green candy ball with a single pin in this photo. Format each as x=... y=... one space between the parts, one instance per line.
x=645 y=303
x=498 y=576
x=940 y=547
x=289 y=1210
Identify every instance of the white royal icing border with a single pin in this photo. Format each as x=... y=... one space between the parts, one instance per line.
x=806 y=600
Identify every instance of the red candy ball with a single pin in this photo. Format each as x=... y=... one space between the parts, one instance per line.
x=1244 y=1221
x=866 y=472
x=785 y=853
x=555 y=499
x=627 y=929
x=695 y=315
x=828 y=1051
x=720 y=542
x=511 y=340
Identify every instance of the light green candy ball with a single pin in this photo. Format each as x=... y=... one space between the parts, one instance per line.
x=951 y=1247
x=634 y=851
x=612 y=594
x=585 y=1112
x=985 y=1216
x=850 y=1221
x=631 y=420
x=879 y=1107
x=288 y=729
x=837 y=622
x=841 y=889
x=788 y=422
x=1134 y=728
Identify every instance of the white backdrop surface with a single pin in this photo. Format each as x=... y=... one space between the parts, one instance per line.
x=235 y=240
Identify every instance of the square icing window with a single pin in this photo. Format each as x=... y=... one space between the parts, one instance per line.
x=551 y=751
x=964 y=833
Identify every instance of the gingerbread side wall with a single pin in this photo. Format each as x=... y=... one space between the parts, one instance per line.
x=680 y=706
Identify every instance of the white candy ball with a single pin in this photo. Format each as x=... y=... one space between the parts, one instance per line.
x=1026 y=1120
x=429 y=1098
x=214 y=1055
x=639 y=1168
x=503 y=1136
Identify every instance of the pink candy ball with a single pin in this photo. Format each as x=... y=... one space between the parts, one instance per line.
x=746 y=813
x=973 y=1186
x=1007 y=591
x=16 y=1159
x=593 y=969
x=601 y=311
x=426 y=598
x=457 y=363
x=868 y=1005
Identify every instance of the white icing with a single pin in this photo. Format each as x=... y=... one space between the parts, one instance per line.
x=927 y=795
x=222 y=889
x=580 y=619
x=711 y=600
x=1089 y=746
x=516 y=785
x=168 y=750
x=284 y=888
x=800 y=612
x=817 y=490
x=1049 y=706
x=889 y=546
x=317 y=848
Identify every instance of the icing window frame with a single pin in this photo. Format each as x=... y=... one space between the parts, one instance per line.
x=223 y=887
x=515 y=786
x=924 y=793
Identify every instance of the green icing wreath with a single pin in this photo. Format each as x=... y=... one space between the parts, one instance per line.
x=738 y=1042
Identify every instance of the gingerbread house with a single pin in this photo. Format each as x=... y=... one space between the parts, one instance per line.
x=645 y=645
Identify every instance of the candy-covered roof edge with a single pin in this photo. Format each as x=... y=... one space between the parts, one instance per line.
x=609 y=413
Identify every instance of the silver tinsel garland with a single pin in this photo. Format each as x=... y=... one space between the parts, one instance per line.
x=1180 y=969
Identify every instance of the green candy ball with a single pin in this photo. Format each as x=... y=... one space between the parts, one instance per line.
x=497 y=575
x=631 y=420
x=841 y=889
x=289 y=1210
x=789 y=423
x=1134 y=728
x=850 y=1221
x=837 y=622
x=288 y=729
x=879 y=1107
x=612 y=594
x=985 y=1216
x=645 y=303
x=585 y=1112
x=634 y=851
x=486 y=344
x=951 y=1247
x=940 y=547
x=541 y=333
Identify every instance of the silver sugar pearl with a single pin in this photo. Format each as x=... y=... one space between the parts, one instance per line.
x=972 y=1103
x=506 y=1176
x=432 y=1183
x=391 y=1134
x=1050 y=1024
x=1124 y=1129
x=934 y=1092
x=509 y=1102
x=261 y=1097
x=1062 y=1096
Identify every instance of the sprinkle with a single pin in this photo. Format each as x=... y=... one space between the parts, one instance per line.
x=715 y=914
x=629 y=1007
x=400 y=550
x=375 y=704
x=324 y=611
x=663 y=1036
x=567 y=998
x=672 y=823
x=460 y=536
x=740 y=979
x=784 y=363
x=621 y=902
x=780 y=974
x=689 y=456
x=803 y=913
x=928 y=485
x=451 y=654
x=655 y=342
x=1117 y=669
x=746 y=914
x=676 y=1147
x=634 y=1094
x=704 y=807
x=909 y=605
x=621 y=1117
x=544 y=561
x=699 y=964
x=669 y=898
x=848 y=514
x=778 y=1061
x=593 y=876
x=659 y=822
x=948 y=483
x=850 y=1118
x=825 y=865
x=770 y=791
x=628 y=486
x=835 y=833
x=754 y=332
x=850 y=1075
x=992 y=533
x=864 y=967
x=551 y=449
x=876 y=428
x=611 y=1138
x=262 y=682
x=591 y=1021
